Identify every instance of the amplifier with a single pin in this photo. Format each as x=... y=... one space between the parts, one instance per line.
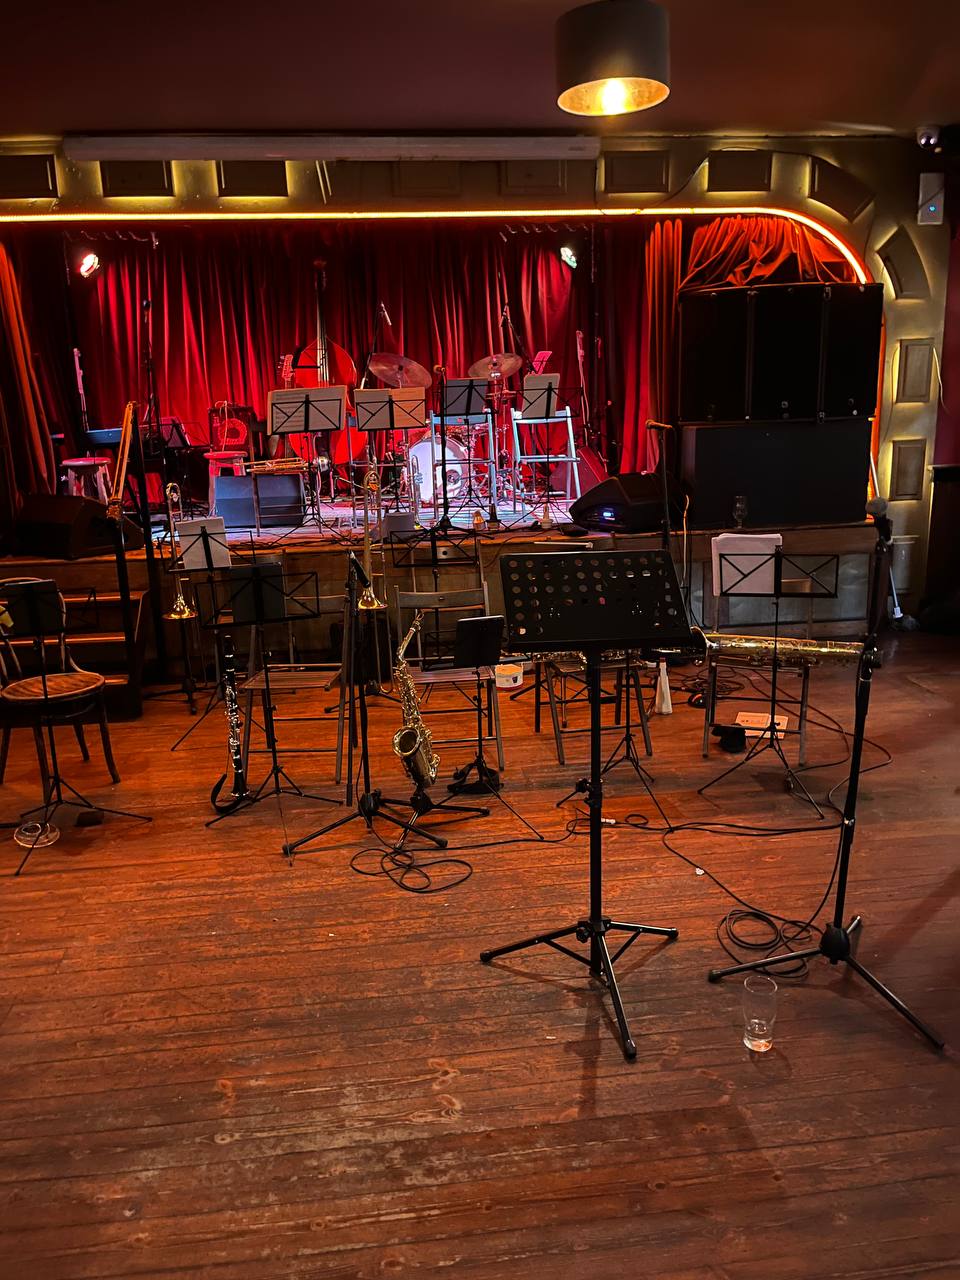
x=281 y=500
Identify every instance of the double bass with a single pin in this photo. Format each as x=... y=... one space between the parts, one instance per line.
x=323 y=363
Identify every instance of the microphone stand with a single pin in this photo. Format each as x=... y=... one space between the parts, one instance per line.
x=444 y=524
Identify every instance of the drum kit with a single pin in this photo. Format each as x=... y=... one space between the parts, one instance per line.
x=465 y=460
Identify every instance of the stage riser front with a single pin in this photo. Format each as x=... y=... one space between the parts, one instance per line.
x=305 y=554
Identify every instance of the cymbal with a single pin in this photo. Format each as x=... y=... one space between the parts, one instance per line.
x=398 y=371
x=498 y=366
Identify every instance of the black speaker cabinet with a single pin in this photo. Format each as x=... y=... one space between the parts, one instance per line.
x=789 y=472
x=56 y=526
x=793 y=352
x=281 y=500
x=629 y=503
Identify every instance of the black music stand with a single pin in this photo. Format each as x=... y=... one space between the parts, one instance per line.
x=34 y=610
x=260 y=594
x=466 y=398
x=742 y=574
x=592 y=602
x=835 y=941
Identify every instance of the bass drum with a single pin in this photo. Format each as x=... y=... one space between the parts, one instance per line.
x=429 y=478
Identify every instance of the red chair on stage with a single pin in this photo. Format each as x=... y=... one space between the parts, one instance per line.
x=232 y=451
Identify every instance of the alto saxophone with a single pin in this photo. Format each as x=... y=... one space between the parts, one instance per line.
x=238 y=786
x=413 y=743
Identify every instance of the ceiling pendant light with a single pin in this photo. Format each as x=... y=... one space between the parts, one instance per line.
x=613 y=57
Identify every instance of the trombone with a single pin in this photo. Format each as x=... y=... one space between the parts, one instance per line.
x=181 y=611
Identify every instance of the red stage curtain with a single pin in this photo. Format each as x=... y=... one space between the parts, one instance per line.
x=26 y=452
x=229 y=301
x=760 y=249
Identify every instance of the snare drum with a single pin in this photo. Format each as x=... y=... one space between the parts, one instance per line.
x=431 y=482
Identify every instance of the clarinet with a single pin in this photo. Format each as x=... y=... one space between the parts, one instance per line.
x=238 y=788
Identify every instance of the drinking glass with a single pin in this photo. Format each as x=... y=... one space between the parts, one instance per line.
x=759 y=1011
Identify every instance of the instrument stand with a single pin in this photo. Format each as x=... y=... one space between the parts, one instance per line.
x=259 y=597
x=625 y=752
x=835 y=941
x=629 y=607
x=370 y=803
x=770 y=737
x=422 y=803
x=34 y=609
x=444 y=524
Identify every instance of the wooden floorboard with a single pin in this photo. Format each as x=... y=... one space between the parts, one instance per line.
x=217 y=1065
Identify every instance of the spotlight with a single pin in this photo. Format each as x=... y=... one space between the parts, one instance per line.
x=89 y=265
x=569 y=256
x=612 y=57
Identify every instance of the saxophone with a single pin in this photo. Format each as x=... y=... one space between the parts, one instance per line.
x=413 y=743
x=238 y=787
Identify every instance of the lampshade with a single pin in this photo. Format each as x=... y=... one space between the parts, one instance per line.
x=612 y=57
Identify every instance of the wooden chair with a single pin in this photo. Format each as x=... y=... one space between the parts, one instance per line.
x=438 y=672
x=65 y=695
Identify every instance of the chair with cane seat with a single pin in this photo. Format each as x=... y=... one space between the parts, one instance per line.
x=62 y=694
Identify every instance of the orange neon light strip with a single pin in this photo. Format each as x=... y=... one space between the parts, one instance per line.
x=409 y=215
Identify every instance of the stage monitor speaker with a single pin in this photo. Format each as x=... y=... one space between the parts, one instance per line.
x=57 y=526
x=630 y=503
x=795 y=352
x=281 y=500
x=790 y=473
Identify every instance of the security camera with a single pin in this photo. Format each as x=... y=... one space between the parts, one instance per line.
x=928 y=137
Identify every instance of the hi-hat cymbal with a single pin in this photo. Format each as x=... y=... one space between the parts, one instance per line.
x=398 y=371
x=498 y=366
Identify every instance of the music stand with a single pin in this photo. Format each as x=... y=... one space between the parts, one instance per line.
x=591 y=602
x=34 y=610
x=260 y=594
x=540 y=395
x=391 y=409
x=465 y=397
x=760 y=574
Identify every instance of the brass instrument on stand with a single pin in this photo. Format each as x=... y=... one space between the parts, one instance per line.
x=371 y=486
x=181 y=611
x=115 y=501
x=758 y=650
x=413 y=742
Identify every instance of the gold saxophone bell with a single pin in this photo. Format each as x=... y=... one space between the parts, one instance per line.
x=368 y=597
x=180 y=611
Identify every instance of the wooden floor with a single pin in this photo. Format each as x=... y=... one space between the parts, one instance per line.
x=218 y=1065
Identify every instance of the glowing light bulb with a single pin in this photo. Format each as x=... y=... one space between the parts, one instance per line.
x=613 y=97
x=89 y=263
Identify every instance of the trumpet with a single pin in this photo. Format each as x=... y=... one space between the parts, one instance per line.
x=371 y=488
x=181 y=611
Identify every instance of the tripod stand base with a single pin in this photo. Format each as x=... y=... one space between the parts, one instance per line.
x=600 y=962
x=370 y=805
x=834 y=946
x=487 y=779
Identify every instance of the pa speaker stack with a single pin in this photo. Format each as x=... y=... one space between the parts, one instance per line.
x=777 y=387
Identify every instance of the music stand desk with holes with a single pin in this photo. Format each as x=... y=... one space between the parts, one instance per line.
x=591 y=602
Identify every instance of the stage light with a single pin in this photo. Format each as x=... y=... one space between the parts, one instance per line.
x=89 y=265
x=569 y=256
x=612 y=57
